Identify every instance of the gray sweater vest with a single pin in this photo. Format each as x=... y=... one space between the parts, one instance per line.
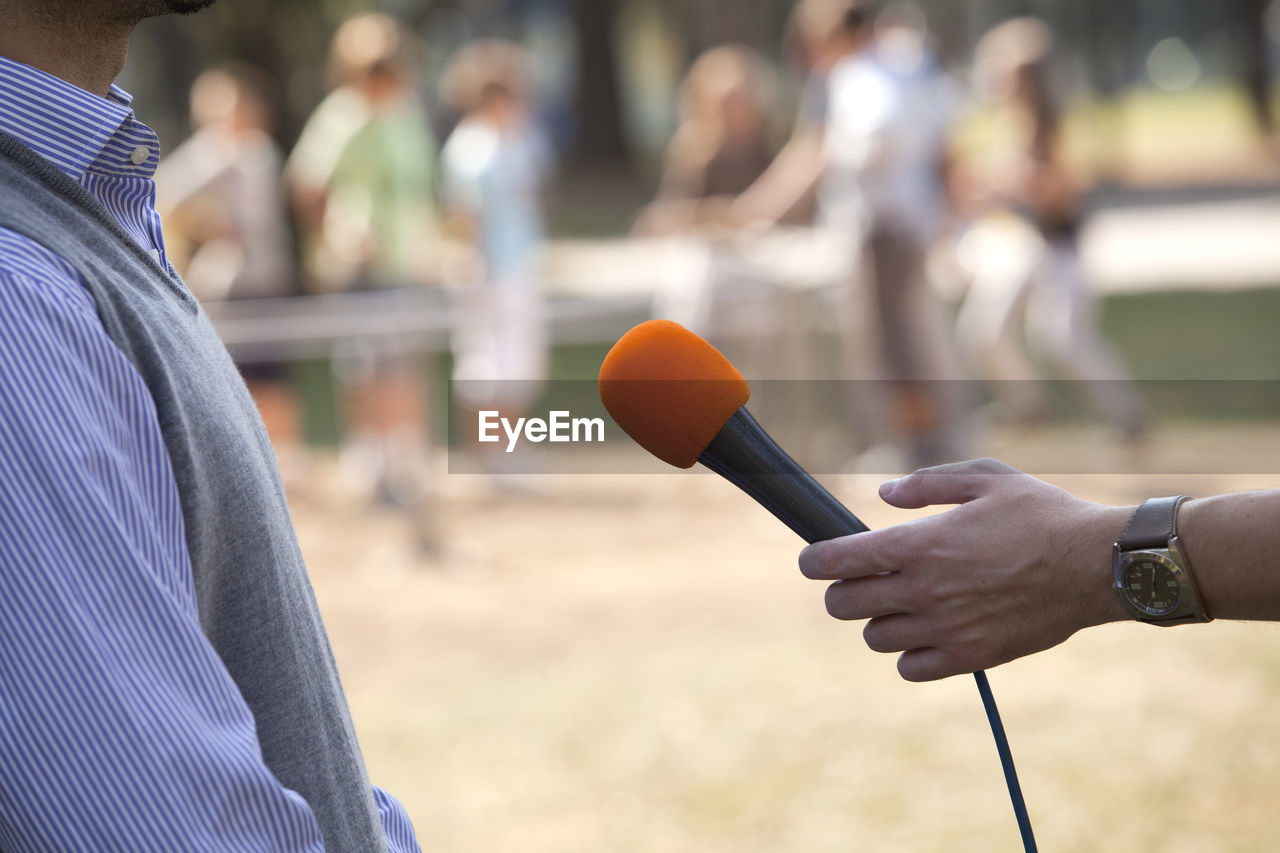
x=256 y=604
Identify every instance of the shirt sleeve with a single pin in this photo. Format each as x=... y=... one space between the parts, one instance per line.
x=464 y=166
x=863 y=112
x=324 y=136
x=395 y=824
x=119 y=726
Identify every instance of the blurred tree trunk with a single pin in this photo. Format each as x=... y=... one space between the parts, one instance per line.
x=1113 y=44
x=601 y=140
x=755 y=23
x=1112 y=53
x=1251 y=23
x=254 y=37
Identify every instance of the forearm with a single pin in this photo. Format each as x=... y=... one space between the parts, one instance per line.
x=791 y=177
x=1231 y=542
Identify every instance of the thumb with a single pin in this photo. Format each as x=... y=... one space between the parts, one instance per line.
x=955 y=483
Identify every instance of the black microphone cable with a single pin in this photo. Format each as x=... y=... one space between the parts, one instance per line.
x=1006 y=761
x=743 y=453
x=715 y=429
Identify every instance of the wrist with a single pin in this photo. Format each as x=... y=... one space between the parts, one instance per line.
x=1097 y=530
x=1197 y=539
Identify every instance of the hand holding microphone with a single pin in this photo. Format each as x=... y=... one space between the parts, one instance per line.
x=681 y=400
x=1017 y=567
x=999 y=577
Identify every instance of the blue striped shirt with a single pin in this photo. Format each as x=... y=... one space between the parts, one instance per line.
x=120 y=729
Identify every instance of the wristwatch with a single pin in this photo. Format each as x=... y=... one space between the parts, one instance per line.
x=1151 y=571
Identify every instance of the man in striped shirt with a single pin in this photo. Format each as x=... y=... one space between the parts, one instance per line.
x=165 y=680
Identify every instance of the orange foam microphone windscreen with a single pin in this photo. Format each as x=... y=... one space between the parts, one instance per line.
x=670 y=390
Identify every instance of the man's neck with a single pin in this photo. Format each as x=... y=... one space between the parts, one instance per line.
x=60 y=38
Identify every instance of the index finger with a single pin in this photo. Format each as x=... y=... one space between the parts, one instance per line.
x=859 y=555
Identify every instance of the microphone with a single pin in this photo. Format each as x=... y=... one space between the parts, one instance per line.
x=684 y=402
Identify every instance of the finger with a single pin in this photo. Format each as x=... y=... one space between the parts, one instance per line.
x=859 y=555
x=929 y=664
x=954 y=483
x=896 y=632
x=864 y=598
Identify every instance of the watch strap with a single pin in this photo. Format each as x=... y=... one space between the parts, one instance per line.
x=1152 y=525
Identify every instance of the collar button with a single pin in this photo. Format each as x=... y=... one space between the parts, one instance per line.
x=140 y=155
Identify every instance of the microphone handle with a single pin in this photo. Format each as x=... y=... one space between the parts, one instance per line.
x=744 y=454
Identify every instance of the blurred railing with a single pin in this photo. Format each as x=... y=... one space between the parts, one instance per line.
x=596 y=291
x=598 y=288
x=410 y=320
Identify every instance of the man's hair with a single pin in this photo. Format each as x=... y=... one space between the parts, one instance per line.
x=482 y=70
x=720 y=69
x=859 y=16
x=1015 y=43
x=215 y=91
x=367 y=46
x=816 y=20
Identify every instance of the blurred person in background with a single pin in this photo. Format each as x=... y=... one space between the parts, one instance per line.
x=361 y=181
x=167 y=679
x=493 y=171
x=720 y=148
x=222 y=202
x=878 y=166
x=784 y=191
x=884 y=160
x=361 y=171
x=220 y=192
x=1028 y=287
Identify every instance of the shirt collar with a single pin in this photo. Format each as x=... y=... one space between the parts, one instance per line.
x=76 y=130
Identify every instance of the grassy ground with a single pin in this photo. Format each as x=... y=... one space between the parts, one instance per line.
x=1143 y=138
x=634 y=664
x=1149 y=138
x=1197 y=335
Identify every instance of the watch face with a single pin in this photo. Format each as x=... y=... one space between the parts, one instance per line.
x=1150 y=582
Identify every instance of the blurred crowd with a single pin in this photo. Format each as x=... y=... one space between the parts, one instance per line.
x=369 y=200
x=870 y=162
x=377 y=205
